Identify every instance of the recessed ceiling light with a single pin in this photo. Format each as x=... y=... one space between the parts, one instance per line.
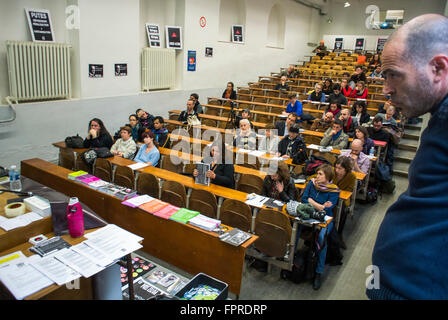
x=347 y=4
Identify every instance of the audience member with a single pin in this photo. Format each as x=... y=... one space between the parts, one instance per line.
x=377 y=74
x=148 y=153
x=317 y=94
x=145 y=119
x=279 y=185
x=283 y=126
x=321 y=125
x=361 y=162
x=321 y=49
x=345 y=88
x=362 y=134
x=270 y=141
x=335 y=136
x=359 y=112
x=160 y=133
x=337 y=95
x=291 y=145
x=360 y=92
x=97 y=136
x=230 y=92
x=125 y=146
x=327 y=87
x=245 y=114
x=357 y=76
x=189 y=113
x=335 y=109
x=246 y=138
x=197 y=105
x=388 y=117
x=136 y=128
x=349 y=124
x=294 y=105
x=282 y=86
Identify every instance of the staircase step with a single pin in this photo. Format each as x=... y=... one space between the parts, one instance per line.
x=402 y=159
x=407 y=147
x=411 y=136
x=400 y=173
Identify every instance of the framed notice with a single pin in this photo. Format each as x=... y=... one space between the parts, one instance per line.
x=191 y=63
x=380 y=44
x=338 y=43
x=96 y=70
x=359 y=44
x=121 y=69
x=208 y=52
x=153 y=32
x=174 y=37
x=40 y=25
x=237 y=34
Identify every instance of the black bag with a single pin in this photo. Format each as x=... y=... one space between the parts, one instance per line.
x=74 y=142
x=301 y=156
x=103 y=152
x=384 y=179
x=312 y=164
x=88 y=157
x=298 y=272
x=334 y=256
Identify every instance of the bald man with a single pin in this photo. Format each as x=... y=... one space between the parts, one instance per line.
x=411 y=249
x=361 y=162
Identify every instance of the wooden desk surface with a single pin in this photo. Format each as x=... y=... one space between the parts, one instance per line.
x=187 y=247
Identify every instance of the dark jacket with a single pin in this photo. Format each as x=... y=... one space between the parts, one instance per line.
x=161 y=137
x=296 y=145
x=289 y=190
x=380 y=135
x=281 y=127
x=183 y=116
x=365 y=117
x=147 y=123
x=104 y=140
x=224 y=175
x=198 y=108
x=282 y=88
x=358 y=77
x=340 y=98
x=232 y=94
x=349 y=129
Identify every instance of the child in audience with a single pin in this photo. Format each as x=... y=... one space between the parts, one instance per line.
x=148 y=153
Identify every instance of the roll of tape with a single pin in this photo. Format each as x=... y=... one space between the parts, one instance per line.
x=14 y=209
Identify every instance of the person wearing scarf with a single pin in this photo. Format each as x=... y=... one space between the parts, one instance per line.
x=160 y=133
x=345 y=88
x=322 y=194
x=279 y=185
x=335 y=109
x=348 y=123
x=230 y=92
x=360 y=92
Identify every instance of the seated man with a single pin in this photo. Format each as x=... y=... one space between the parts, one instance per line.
x=245 y=114
x=283 y=126
x=376 y=132
x=321 y=49
x=361 y=162
x=291 y=145
x=337 y=95
x=335 y=136
x=145 y=119
x=282 y=86
x=317 y=94
x=294 y=105
x=184 y=115
x=349 y=123
x=321 y=125
x=160 y=133
x=197 y=104
x=377 y=74
x=290 y=73
x=388 y=117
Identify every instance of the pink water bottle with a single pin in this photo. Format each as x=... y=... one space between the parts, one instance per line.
x=75 y=218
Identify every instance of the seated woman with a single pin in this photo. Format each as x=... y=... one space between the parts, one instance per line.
x=125 y=146
x=98 y=136
x=220 y=173
x=282 y=86
x=160 y=133
x=279 y=185
x=345 y=88
x=345 y=179
x=136 y=128
x=317 y=94
x=270 y=141
x=148 y=153
x=335 y=109
x=360 y=92
x=246 y=138
x=322 y=195
x=359 y=112
x=362 y=134
x=230 y=92
x=328 y=87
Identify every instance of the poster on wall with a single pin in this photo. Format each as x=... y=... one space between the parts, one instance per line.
x=338 y=43
x=153 y=32
x=208 y=52
x=380 y=44
x=121 y=69
x=95 y=70
x=39 y=22
x=237 y=34
x=359 y=44
x=174 y=37
x=191 y=63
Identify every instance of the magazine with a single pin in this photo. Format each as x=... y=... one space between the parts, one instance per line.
x=202 y=169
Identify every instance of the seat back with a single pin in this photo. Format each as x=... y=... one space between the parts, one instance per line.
x=67 y=158
x=250 y=184
x=124 y=176
x=81 y=165
x=174 y=193
x=274 y=231
x=236 y=214
x=148 y=184
x=203 y=201
x=103 y=169
x=167 y=164
x=327 y=156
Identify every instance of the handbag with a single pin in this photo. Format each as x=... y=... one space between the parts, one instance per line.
x=395 y=132
x=74 y=142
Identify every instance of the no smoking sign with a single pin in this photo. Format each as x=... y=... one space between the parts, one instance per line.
x=202 y=22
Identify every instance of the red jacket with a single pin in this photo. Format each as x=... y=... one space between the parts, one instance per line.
x=363 y=96
x=346 y=91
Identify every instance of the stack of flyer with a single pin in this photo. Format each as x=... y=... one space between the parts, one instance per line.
x=184 y=215
x=117 y=191
x=205 y=222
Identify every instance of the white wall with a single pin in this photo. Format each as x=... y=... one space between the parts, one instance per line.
x=370 y=41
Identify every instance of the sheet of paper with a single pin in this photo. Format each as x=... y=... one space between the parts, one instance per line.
x=19 y=221
x=14 y=257
x=257 y=201
x=138 y=165
x=78 y=262
x=114 y=248
x=257 y=153
x=100 y=258
x=243 y=150
x=54 y=269
x=113 y=231
x=21 y=278
x=138 y=201
x=313 y=146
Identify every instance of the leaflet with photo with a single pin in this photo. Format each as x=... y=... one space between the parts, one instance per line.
x=202 y=169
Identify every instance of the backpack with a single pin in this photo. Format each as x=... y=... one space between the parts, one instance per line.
x=74 y=142
x=384 y=179
x=312 y=164
x=298 y=272
x=301 y=156
x=334 y=256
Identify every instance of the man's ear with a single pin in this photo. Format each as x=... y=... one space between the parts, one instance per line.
x=439 y=68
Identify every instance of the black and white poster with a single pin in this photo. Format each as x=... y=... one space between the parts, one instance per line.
x=380 y=44
x=39 y=22
x=121 y=69
x=338 y=43
x=174 y=37
x=237 y=34
x=95 y=70
x=153 y=32
x=208 y=52
x=359 y=44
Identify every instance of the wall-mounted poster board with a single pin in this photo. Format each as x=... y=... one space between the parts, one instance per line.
x=338 y=43
x=174 y=37
x=153 y=32
x=191 y=63
x=96 y=70
x=380 y=44
x=39 y=22
x=237 y=34
x=121 y=69
x=359 y=44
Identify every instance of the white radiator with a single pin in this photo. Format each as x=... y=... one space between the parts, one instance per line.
x=38 y=71
x=158 y=68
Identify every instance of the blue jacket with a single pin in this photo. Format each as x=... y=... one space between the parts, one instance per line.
x=320 y=197
x=411 y=249
x=297 y=108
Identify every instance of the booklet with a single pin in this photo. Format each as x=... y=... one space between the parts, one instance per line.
x=184 y=215
x=235 y=237
x=202 y=169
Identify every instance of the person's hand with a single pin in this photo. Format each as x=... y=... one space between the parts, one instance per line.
x=93 y=133
x=284 y=113
x=210 y=174
x=279 y=185
x=328 y=204
x=285 y=156
x=121 y=154
x=195 y=173
x=149 y=163
x=333 y=132
x=354 y=156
